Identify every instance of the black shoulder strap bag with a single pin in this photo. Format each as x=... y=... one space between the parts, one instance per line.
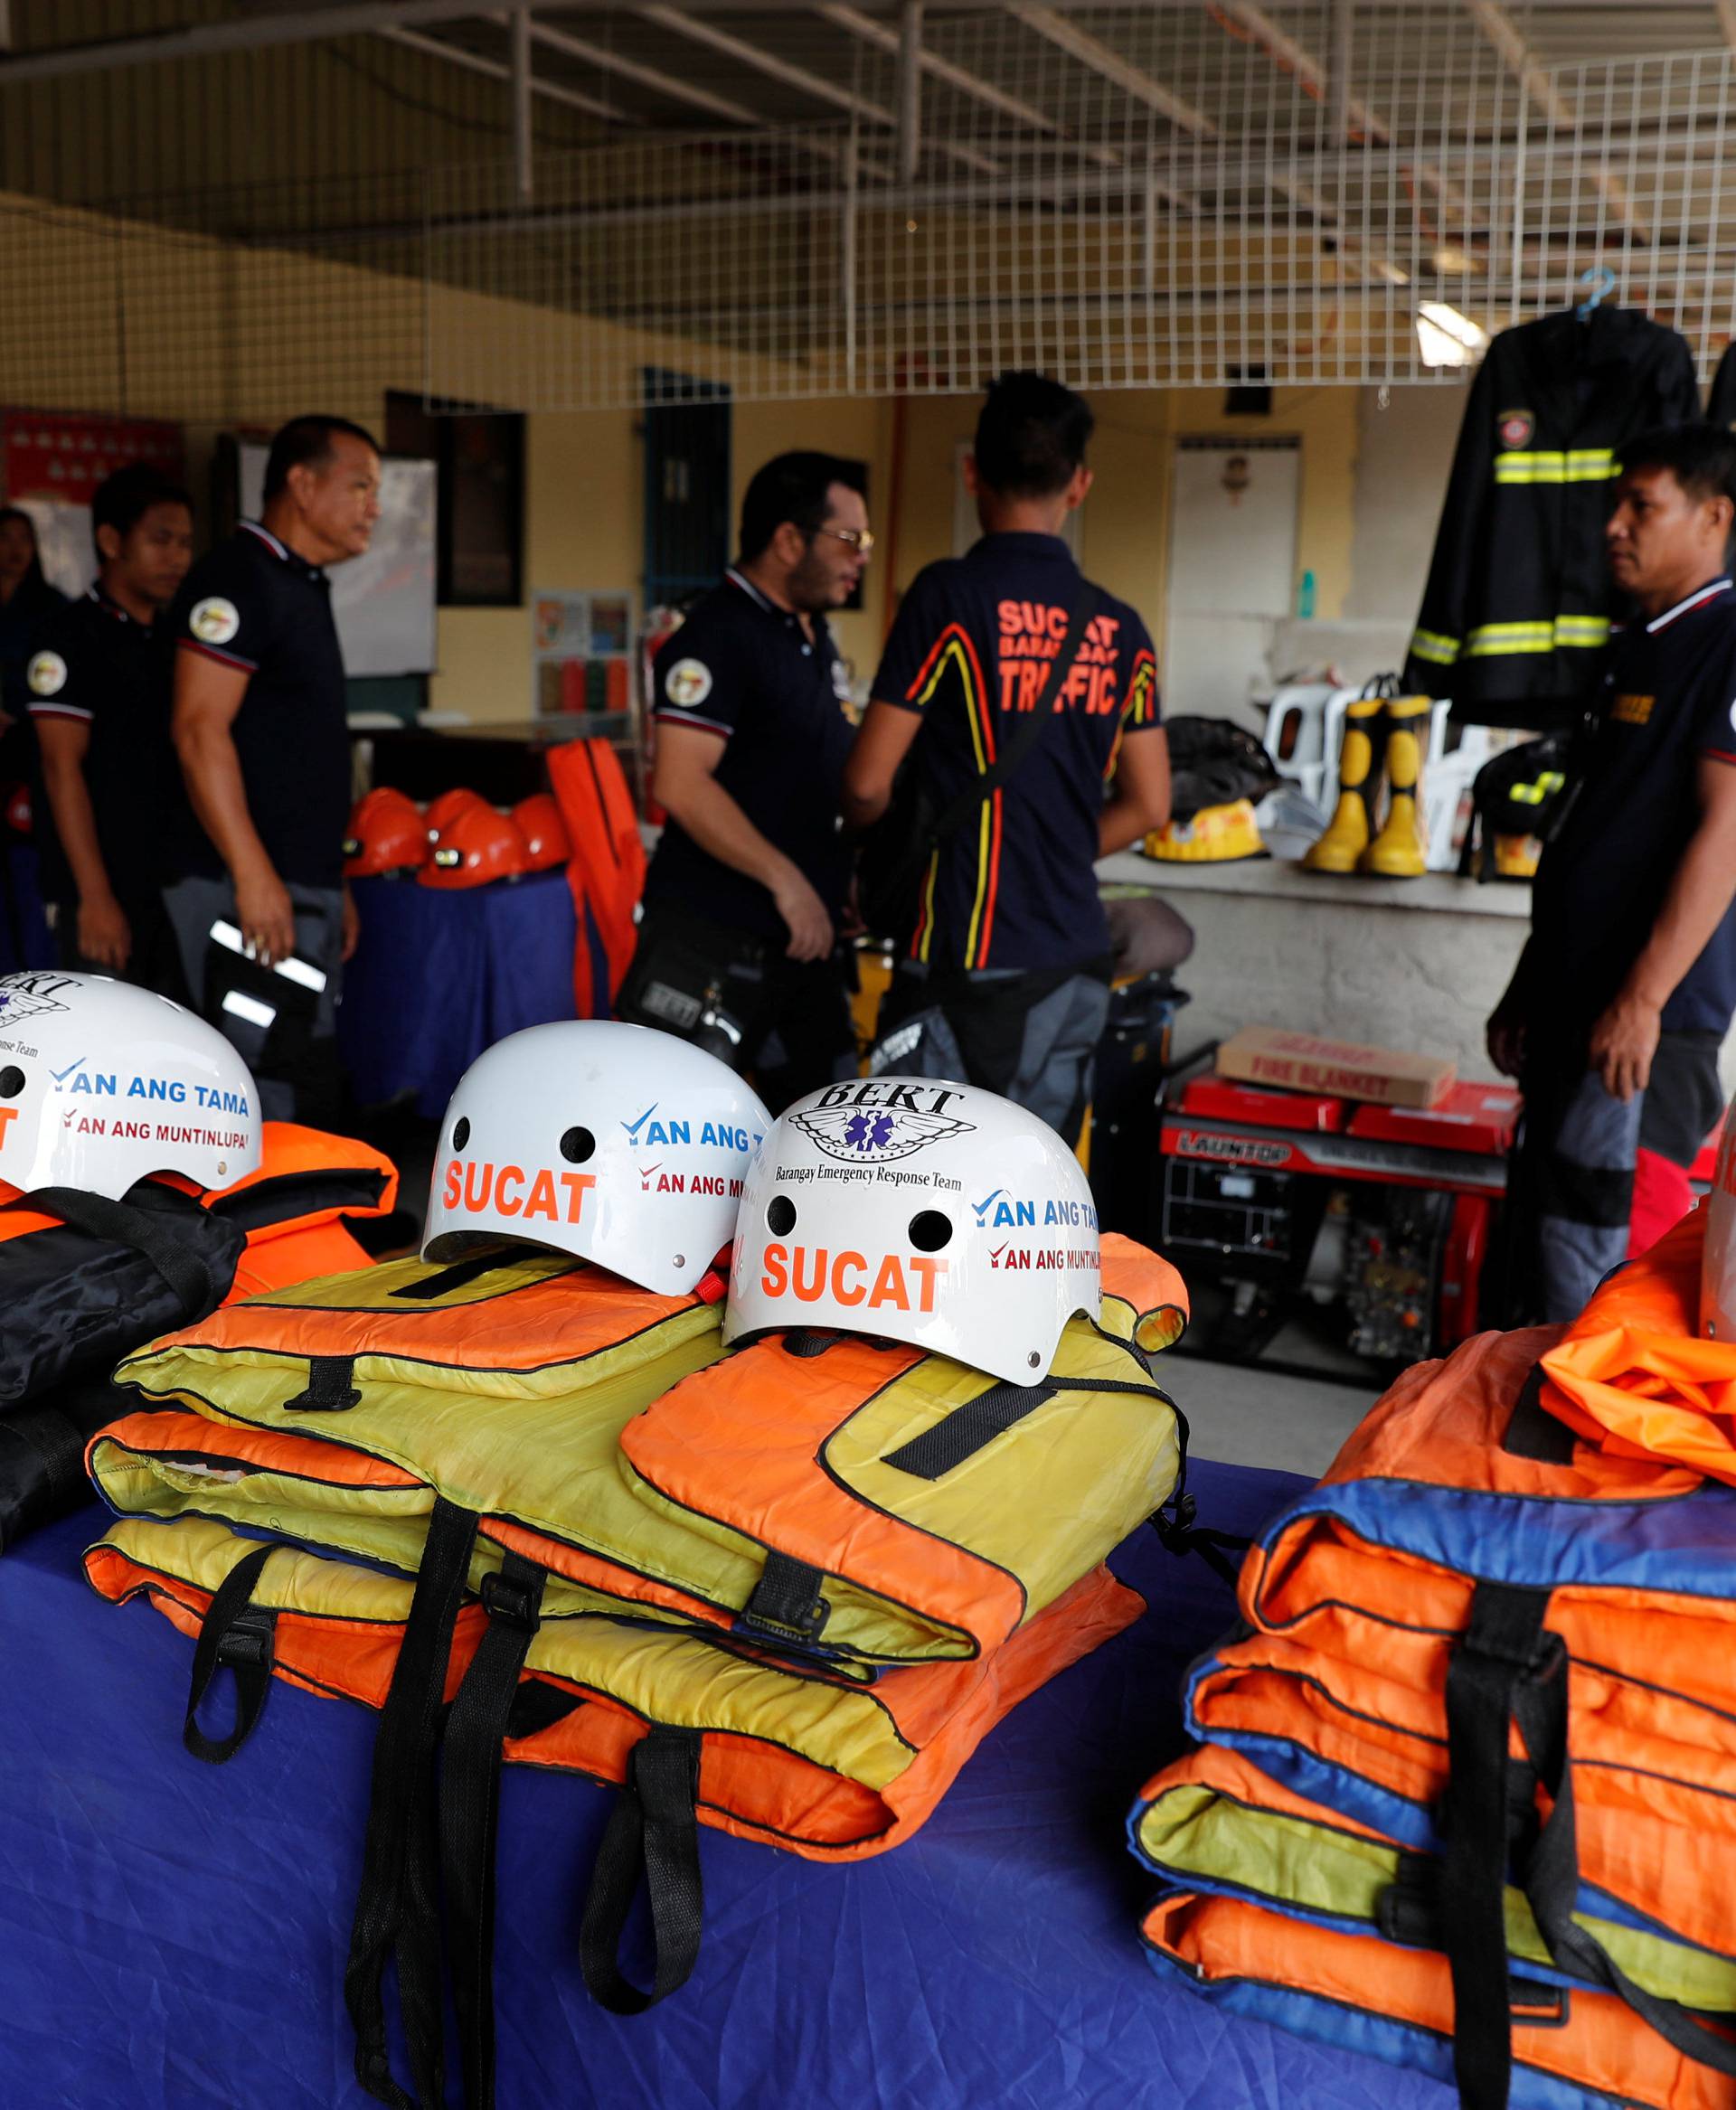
x=895 y=851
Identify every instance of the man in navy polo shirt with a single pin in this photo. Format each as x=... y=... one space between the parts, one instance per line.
x=261 y=729
x=1005 y=981
x=739 y=948
x=108 y=792
x=1625 y=992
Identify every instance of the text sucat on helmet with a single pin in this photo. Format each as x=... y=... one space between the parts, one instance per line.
x=544 y=831
x=387 y=833
x=922 y=1211
x=476 y=845
x=1718 y=1262
x=617 y=1142
x=102 y=1084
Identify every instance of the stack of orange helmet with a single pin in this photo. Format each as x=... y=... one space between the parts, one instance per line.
x=387 y=833
x=546 y=841
x=471 y=843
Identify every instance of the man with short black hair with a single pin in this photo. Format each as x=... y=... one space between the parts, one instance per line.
x=261 y=728
x=738 y=947
x=108 y=792
x=1623 y=994
x=1005 y=981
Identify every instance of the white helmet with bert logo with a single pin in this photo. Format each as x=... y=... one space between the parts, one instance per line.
x=102 y=1084
x=921 y=1211
x=617 y=1142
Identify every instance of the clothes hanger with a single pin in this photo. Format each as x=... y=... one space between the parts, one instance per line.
x=1602 y=282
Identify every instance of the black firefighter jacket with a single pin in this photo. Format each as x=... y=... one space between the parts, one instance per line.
x=1518 y=610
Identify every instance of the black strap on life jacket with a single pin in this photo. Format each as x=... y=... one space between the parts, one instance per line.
x=654 y=1830
x=470 y=1810
x=1510 y=1668
x=397 y=1905
x=150 y=1230
x=236 y=1635
x=330 y=1387
x=787 y=1604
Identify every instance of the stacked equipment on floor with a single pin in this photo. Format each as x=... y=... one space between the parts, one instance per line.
x=1463 y=1800
x=762 y=1576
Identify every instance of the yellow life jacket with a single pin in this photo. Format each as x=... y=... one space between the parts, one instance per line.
x=861 y=1502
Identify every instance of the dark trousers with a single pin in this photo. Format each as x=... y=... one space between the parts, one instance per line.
x=154 y=961
x=787 y=1021
x=1031 y=1037
x=1571 y=1187
x=290 y=1043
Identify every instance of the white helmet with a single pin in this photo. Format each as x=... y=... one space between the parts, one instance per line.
x=102 y=1084
x=620 y=1143
x=1718 y=1263
x=921 y=1211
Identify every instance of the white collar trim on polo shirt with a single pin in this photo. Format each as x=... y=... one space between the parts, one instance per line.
x=753 y=592
x=268 y=538
x=1693 y=601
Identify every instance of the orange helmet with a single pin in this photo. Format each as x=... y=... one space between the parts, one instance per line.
x=18 y=814
x=387 y=833
x=442 y=810
x=544 y=831
x=477 y=844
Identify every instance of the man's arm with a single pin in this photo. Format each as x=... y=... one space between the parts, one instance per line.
x=103 y=935
x=1625 y=1039
x=208 y=694
x=1141 y=800
x=881 y=744
x=1506 y=1033
x=684 y=784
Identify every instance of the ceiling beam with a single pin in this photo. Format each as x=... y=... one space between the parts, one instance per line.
x=1092 y=52
x=1502 y=33
x=254 y=34
x=659 y=80
x=413 y=39
x=1727 y=21
x=681 y=23
x=1297 y=60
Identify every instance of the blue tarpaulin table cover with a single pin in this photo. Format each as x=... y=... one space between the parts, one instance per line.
x=172 y=1936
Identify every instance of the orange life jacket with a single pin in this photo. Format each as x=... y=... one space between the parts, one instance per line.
x=607 y=871
x=85 y=1279
x=1510 y=1650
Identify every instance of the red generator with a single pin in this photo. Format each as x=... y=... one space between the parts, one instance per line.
x=1274 y=1203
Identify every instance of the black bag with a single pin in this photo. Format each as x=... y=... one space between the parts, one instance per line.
x=893 y=854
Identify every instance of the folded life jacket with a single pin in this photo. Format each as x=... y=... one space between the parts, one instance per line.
x=1634 y=1375
x=1576 y=2047
x=855 y=1502
x=1214 y=1823
x=1496 y=1645
x=884 y=1553
x=607 y=871
x=84 y=1279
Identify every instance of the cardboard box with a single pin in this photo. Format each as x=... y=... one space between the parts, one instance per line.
x=1298 y=1063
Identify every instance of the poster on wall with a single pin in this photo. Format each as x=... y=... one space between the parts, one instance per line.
x=581 y=657
x=51 y=463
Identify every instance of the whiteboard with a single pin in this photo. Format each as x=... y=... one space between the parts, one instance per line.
x=383 y=602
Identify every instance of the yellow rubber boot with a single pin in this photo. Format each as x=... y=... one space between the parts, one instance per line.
x=1398 y=851
x=1352 y=828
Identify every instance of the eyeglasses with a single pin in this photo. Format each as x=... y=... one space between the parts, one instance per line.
x=858 y=539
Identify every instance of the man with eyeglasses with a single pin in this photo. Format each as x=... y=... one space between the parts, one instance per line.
x=738 y=949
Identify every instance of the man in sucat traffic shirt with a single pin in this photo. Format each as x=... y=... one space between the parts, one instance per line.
x=108 y=793
x=738 y=949
x=1005 y=981
x=261 y=730
x=1623 y=994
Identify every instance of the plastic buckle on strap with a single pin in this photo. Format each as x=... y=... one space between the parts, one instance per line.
x=246 y=1642
x=509 y=1602
x=1535 y=2006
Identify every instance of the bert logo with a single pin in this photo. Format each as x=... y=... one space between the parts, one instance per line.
x=808 y=1275
x=484 y=1190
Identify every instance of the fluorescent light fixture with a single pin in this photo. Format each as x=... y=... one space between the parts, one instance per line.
x=1384 y=268
x=1447 y=338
